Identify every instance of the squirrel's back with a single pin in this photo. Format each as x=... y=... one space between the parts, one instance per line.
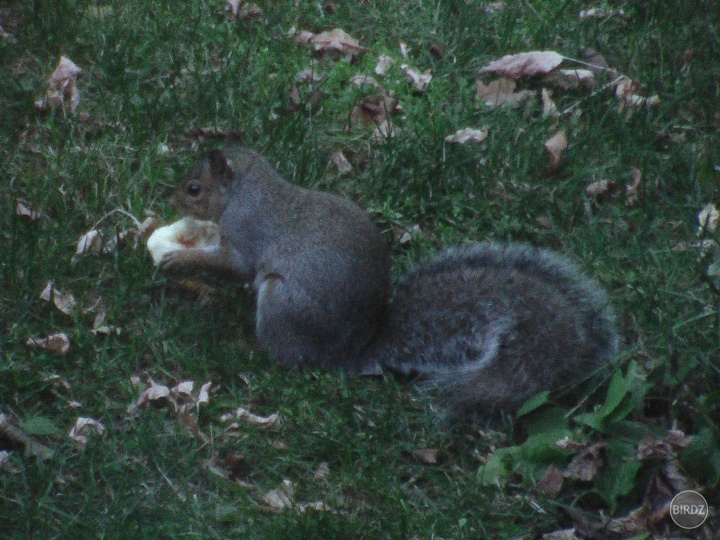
x=493 y=324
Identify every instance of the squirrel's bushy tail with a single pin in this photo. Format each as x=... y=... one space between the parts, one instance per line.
x=493 y=324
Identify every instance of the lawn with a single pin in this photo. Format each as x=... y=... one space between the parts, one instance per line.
x=160 y=82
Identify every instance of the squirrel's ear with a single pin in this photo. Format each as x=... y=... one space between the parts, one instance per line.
x=219 y=166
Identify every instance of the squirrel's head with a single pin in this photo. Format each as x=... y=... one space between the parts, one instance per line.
x=201 y=193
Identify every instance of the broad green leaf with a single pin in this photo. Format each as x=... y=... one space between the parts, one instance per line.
x=533 y=403
x=702 y=457
x=40 y=425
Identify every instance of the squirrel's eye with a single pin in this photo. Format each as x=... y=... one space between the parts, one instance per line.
x=193 y=189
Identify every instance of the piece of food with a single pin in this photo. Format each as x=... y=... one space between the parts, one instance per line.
x=183 y=234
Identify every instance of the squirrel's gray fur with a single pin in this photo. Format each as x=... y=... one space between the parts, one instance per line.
x=489 y=324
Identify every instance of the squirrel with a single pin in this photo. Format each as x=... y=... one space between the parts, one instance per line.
x=487 y=324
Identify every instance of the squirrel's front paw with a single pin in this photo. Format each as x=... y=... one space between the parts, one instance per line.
x=173 y=261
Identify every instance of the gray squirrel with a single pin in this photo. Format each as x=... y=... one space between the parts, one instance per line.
x=488 y=324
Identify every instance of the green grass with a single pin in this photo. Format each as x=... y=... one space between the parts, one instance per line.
x=154 y=73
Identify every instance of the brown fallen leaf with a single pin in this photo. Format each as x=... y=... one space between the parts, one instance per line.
x=709 y=219
x=58 y=343
x=634 y=190
x=405 y=236
x=464 y=135
x=25 y=211
x=585 y=464
x=562 y=534
x=420 y=81
x=494 y=7
x=600 y=13
x=90 y=242
x=626 y=90
x=322 y=472
x=500 y=92
x=244 y=10
x=64 y=301
x=426 y=455
x=602 y=188
x=570 y=79
x=527 y=64
x=341 y=162
x=273 y=422
x=437 y=50
x=383 y=64
x=281 y=497
x=62 y=87
x=336 y=42
x=555 y=146
x=551 y=482
x=5 y=463
x=83 y=428
x=153 y=392
x=364 y=80
x=549 y=107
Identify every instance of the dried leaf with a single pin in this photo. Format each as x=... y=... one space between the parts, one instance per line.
x=563 y=534
x=308 y=75
x=494 y=7
x=373 y=111
x=551 y=482
x=404 y=49
x=90 y=242
x=335 y=41
x=584 y=77
x=300 y=36
x=383 y=64
x=184 y=388
x=709 y=219
x=501 y=91
x=62 y=87
x=467 y=134
x=82 y=429
x=584 y=465
x=406 y=236
x=244 y=10
x=204 y=395
x=152 y=393
x=23 y=210
x=626 y=91
x=364 y=80
x=322 y=472
x=383 y=131
x=602 y=188
x=281 y=497
x=420 y=81
x=556 y=145
x=426 y=455
x=436 y=50
x=65 y=302
x=273 y=422
x=58 y=343
x=528 y=64
x=549 y=107
x=5 y=464
x=600 y=13
x=633 y=191
x=341 y=162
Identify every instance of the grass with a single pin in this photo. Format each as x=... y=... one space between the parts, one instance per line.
x=153 y=75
